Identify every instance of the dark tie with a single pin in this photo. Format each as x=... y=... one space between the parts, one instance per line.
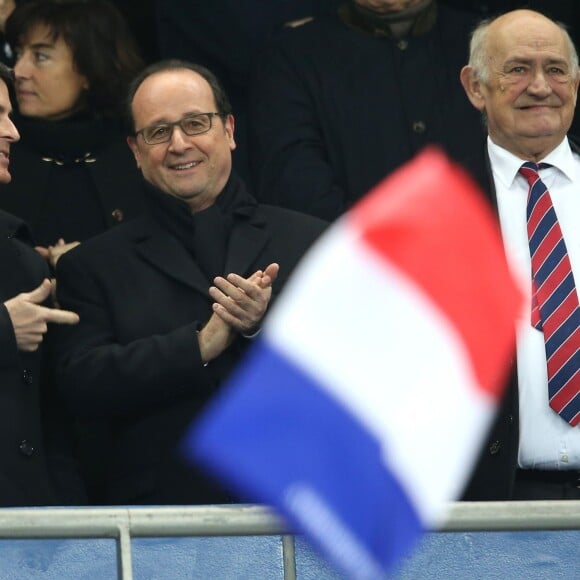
x=555 y=308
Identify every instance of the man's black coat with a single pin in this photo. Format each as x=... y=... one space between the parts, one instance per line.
x=36 y=466
x=134 y=360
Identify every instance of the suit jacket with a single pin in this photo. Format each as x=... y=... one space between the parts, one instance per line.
x=134 y=358
x=33 y=465
x=494 y=474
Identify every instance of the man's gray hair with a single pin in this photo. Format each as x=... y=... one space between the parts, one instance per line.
x=479 y=57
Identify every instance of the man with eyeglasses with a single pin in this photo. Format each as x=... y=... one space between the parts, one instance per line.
x=169 y=302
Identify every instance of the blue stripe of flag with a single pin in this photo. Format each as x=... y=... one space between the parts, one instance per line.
x=275 y=430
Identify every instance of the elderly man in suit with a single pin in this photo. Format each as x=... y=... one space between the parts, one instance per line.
x=523 y=76
x=25 y=471
x=169 y=302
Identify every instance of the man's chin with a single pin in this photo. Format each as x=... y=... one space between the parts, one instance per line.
x=544 y=129
x=550 y=134
x=182 y=195
x=544 y=125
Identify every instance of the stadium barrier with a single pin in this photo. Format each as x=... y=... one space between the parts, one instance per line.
x=442 y=555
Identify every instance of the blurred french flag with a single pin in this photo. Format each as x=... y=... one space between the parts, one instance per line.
x=359 y=412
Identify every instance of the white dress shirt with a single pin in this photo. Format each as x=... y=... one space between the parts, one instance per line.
x=546 y=440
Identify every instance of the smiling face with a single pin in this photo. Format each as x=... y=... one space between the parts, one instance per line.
x=47 y=83
x=8 y=133
x=529 y=95
x=192 y=168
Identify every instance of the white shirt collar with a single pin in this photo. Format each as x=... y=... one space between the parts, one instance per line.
x=506 y=165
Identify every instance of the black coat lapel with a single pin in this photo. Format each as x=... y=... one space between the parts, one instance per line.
x=164 y=252
x=247 y=240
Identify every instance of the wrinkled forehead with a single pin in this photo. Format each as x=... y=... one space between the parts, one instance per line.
x=527 y=37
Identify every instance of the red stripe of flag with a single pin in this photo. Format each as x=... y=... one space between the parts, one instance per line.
x=435 y=191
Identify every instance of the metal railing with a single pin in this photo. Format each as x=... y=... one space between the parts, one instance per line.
x=248 y=520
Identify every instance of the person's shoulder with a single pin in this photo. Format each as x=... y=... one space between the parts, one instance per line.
x=9 y=224
x=12 y=226
x=290 y=233
x=288 y=218
x=16 y=231
x=113 y=241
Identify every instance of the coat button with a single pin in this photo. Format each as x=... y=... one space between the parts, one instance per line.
x=402 y=44
x=27 y=377
x=118 y=215
x=26 y=448
x=419 y=127
x=495 y=447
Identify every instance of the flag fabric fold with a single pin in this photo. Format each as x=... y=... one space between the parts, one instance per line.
x=361 y=409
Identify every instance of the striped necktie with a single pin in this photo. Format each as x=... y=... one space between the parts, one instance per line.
x=555 y=308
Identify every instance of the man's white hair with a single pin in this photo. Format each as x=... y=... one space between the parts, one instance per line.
x=479 y=58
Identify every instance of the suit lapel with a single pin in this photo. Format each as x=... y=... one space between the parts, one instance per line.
x=247 y=240
x=479 y=166
x=166 y=254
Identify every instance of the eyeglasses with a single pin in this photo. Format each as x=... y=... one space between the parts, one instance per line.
x=190 y=125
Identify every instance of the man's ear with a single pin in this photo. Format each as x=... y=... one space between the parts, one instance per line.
x=472 y=87
x=229 y=125
x=132 y=142
x=576 y=83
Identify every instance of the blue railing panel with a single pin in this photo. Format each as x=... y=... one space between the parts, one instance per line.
x=239 y=558
x=58 y=559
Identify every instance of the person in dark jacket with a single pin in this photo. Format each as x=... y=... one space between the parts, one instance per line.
x=340 y=102
x=27 y=427
x=73 y=174
x=170 y=301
